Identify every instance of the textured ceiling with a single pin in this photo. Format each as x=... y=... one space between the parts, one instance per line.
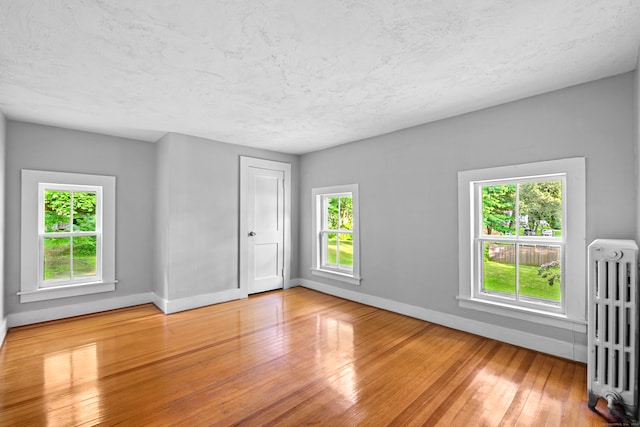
x=296 y=75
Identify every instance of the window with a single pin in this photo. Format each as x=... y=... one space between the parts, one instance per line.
x=70 y=224
x=519 y=241
x=336 y=233
x=522 y=241
x=68 y=235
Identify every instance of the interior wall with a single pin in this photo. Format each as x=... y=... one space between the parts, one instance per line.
x=198 y=204
x=163 y=206
x=3 y=322
x=132 y=162
x=637 y=120
x=408 y=188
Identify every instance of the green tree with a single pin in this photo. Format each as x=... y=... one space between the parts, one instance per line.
x=340 y=213
x=498 y=206
x=542 y=203
x=57 y=217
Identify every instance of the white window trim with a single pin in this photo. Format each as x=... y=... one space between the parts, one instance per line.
x=575 y=293
x=42 y=187
x=316 y=261
x=479 y=237
x=31 y=286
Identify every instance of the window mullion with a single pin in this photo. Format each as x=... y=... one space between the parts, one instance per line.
x=57 y=234
x=337 y=231
x=323 y=248
x=337 y=250
x=479 y=246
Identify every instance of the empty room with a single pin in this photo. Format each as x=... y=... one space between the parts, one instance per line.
x=319 y=212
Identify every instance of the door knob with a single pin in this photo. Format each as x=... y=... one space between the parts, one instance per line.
x=252 y=233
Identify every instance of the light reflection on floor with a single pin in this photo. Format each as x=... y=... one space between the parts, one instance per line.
x=72 y=374
x=335 y=336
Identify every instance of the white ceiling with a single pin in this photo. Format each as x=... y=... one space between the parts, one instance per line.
x=296 y=75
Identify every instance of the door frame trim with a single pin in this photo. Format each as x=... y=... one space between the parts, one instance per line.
x=245 y=163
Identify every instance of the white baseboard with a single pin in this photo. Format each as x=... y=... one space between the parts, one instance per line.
x=292 y=284
x=3 y=331
x=166 y=306
x=160 y=302
x=522 y=339
x=182 y=304
x=54 y=313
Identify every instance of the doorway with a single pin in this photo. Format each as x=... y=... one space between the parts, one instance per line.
x=265 y=224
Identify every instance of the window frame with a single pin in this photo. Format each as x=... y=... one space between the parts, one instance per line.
x=32 y=285
x=42 y=234
x=572 y=314
x=517 y=241
x=325 y=231
x=320 y=231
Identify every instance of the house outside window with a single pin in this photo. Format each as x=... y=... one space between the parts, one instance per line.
x=522 y=241
x=336 y=233
x=68 y=235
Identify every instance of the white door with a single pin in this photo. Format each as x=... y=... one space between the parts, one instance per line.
x=262 y=225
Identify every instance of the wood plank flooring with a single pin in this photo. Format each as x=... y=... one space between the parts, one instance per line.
x=292 y=357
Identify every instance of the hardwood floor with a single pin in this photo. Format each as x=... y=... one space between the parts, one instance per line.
x=293 y=357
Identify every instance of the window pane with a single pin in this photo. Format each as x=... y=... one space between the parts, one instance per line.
x=84 y=211
x=498 y=209
x=346 y=213
x=499 y=268
x=346 y=251
x=84 y=256
x=540 y=206
x=57 y=261
x=330 y=247
x=57 y=211
x=333 y=217
x=539 y=272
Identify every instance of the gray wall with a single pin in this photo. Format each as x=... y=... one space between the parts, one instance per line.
x=31 y=146
x=198 y=214
x=178 y=200
x=3 y=145
x=163 y=205
x=637 y=119
x=408 y=186
x=177 y=208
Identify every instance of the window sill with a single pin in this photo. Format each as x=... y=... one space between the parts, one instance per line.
x=353 y=280
x=523 y=313
x=43 y=294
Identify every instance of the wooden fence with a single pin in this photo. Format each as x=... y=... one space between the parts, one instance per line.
x=529 y=254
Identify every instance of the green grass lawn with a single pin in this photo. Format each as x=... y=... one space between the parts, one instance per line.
x=56 y=269
x=57 y=263
x=346 y=253
x=500 y=277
